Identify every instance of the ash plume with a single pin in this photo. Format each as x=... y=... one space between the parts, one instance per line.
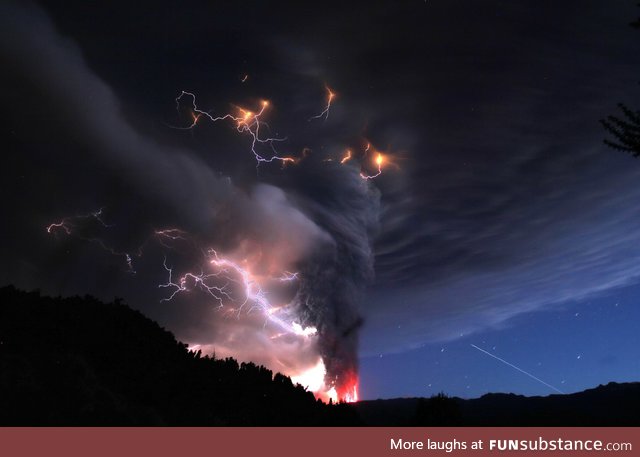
x=315 y=218
x=335 y=276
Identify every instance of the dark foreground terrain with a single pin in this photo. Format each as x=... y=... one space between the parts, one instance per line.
x=610 y=405
x=78 y=361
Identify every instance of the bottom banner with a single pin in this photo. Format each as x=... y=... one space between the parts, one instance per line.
x=291 y=441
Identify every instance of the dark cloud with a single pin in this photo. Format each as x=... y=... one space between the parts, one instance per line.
x=520 y=205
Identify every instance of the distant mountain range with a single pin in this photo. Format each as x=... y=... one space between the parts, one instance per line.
x=610 y=405
x=80 y=362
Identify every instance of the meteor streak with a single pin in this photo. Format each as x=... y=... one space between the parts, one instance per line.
x=517 y=368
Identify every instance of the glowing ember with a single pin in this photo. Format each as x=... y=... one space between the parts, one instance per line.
x=313 y=379
x=349 y=390
x=352 y=395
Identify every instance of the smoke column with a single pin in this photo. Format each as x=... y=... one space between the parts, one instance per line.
x=335 y=277
x=313 y=218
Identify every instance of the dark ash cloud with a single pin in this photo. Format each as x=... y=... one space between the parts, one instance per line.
x=281 y=221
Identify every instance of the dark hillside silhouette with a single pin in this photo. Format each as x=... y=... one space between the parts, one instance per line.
x=610 y=405
x=78 y=361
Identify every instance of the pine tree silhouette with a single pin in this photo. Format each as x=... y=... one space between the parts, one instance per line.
x=625 y=130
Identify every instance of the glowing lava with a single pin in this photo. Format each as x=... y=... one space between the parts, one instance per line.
x=351 y=396
x=349 y=390
x=314 y=380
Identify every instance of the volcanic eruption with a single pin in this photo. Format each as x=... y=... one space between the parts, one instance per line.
x=254 y=253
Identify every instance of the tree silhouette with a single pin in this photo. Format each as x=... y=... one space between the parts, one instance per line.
x=626 y=129
x=437 y=411
x=78 y=361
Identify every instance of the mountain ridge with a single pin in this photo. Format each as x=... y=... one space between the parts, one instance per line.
x=612 y=404
x=79 y=361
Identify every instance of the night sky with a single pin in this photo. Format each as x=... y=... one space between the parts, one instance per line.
x=500 y=219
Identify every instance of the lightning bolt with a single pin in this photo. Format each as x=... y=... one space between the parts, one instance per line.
x=253 y=297
x=201 y=280
x=73 y=224
x=246 y=122
x=69 y=223
x=325 y=113
x=379 y=160
x=346 y=157
x=168 y=237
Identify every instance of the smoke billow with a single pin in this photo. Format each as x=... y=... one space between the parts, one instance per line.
x=335 y=277
x=315 y=218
